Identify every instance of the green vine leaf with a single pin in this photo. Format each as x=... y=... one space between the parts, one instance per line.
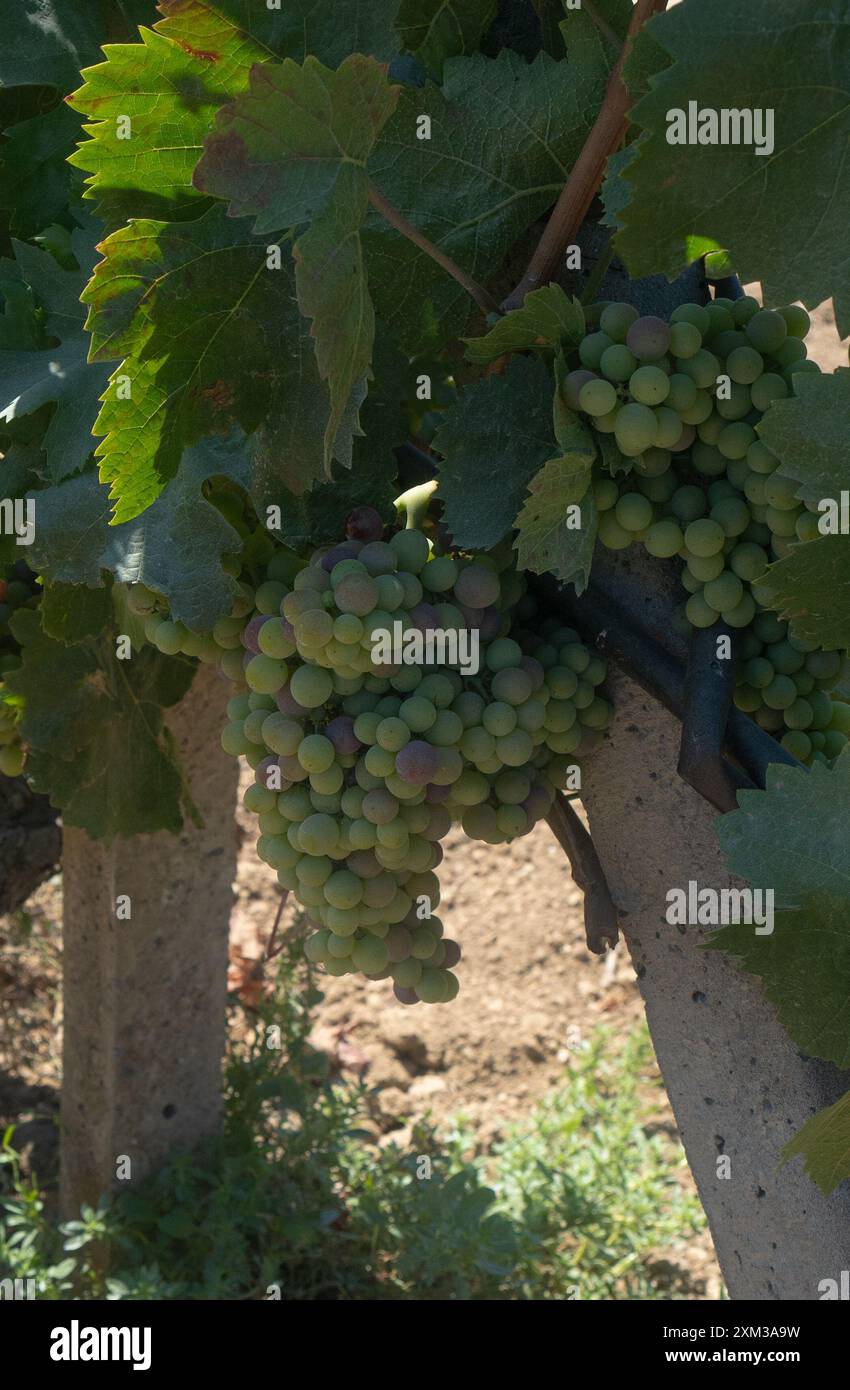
x=494 y=440
x=547 y=318
x=176 y=547
x=294 y=150
x=791 y=838
x=101 y=753
x=781 y=215
x=151 y=104
x=59 y=375
x=545 y=541
x=434 y=30
x=470 y=194
x=824 y=1142
x=72 y=612
x=205 y=317
x=811 y=588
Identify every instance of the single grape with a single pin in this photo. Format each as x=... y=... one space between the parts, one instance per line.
x=636 y=428
x=617 y=363
x=685 y=340
x=591 y=349
x=573 y=384
x=633 y=512
x=364 y=524
x=310 y=686
x=648 y=338
x=596 y=398
x=664 y=539
x=724 y=593
x=745 y=365
x=704 y=537
x=767 y=331
x=616 y=319
x=649 y=385
x=796 y=319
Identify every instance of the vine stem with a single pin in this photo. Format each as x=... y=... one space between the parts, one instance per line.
x=485 y=301
x=600 y=912
x=578 y=192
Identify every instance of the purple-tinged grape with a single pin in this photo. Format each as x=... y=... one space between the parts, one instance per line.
x=378 y=558
x=341 y=733
x=363 y=863
x=417 y=762
x=477 y=586
x=573 y=383
x=424 y=617
x=436 y=855
x=398 y=942
x=434 y=794
x=489 y=624
x=250 y=633
x=261 y=771
x=287 y=704
x=648 y=338
x=406 y=996
x=534 y=669
x=685 y=440
x=346 y=550
x=291 y=768
x=452 y=953
x=364 y=524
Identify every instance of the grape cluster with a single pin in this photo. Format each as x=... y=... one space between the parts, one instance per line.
x=361 y=769
x=682 y=401
x=18 y=589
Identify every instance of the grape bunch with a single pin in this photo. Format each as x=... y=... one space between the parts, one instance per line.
x=361 y=768
x=682 y=401
x=18 y=589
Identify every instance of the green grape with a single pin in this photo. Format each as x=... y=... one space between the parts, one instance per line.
x=606 y=492
x=824 y=666
x=683 y=392
x=439 y=575
x=636 y=429
x=724 y=593
x=265 y=675
x=633 y=512
x=234 y=740
x=688 y=504
x=617 y=363
x=468 y=706
x=318 y=834
x=314 y=870
x=356 y=594
x=780 y=493
x=840 y=719
x=786 y=659
x=734 y=441
x=703 y=368
x=611 y=533
x=733 y=514
x=654 y=463
x=704 y=537
x=745 y=365
x=343 y=889
x=748 y=561
x=512 y=821
x=502 y=653
x=606 y=424
x=719 y=317
x=758 y=672
x=692 y=584
x=742 y=615
x=698 y=612
x=447 y=729
x=433 y=987
x=269 y=597
x=499 y=719
x=597 y=397
x=806 y=526
x=471 y=788
x=390 y=592
x=766 y=331
x=798 y=744
x=800 y=715
x=796 y=319
x=668 y=429
x=834 y=744
x=310 y=686
x=370 y=955
x=391 y=734
x=700 y=411
x=591 y=349
x=412 y=550
x=648 y=385
x=316 y=753
x=821 y=709
x=744 y=308
x=747 y=699
x=576 y=656
x=780 y=694
x=616 y=319
x=316 y=946
x=754 y=489
x=379 y=761
x=736 y=406
x=708 y=460
x=705 y=567
x=692 y=313
x=782 y=523
x=768 y=388
x=327 y=783
x=685 y=340
x=515 y=748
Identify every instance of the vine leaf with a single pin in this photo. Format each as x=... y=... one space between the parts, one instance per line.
x=493 y=441
x=168 y=87
x=434 y=30
x=206 y=321
x=176 y=547
x=59 y=374
x=546 y=318
x=824 y=1142
x=293 y=150
x=102 y=753
x=472 y=195
x=809 y=432
x=781 y=215
x=791 y=838
x=72 y=612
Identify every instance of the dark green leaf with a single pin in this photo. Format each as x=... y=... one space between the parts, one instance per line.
x=824 y=1142
x=72 y=612
x=435 y=30
x=547 y=317
x=782 y=214
x=493 y=442
x=100 y=753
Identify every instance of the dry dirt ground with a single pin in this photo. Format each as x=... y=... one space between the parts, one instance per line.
x=530 y=990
